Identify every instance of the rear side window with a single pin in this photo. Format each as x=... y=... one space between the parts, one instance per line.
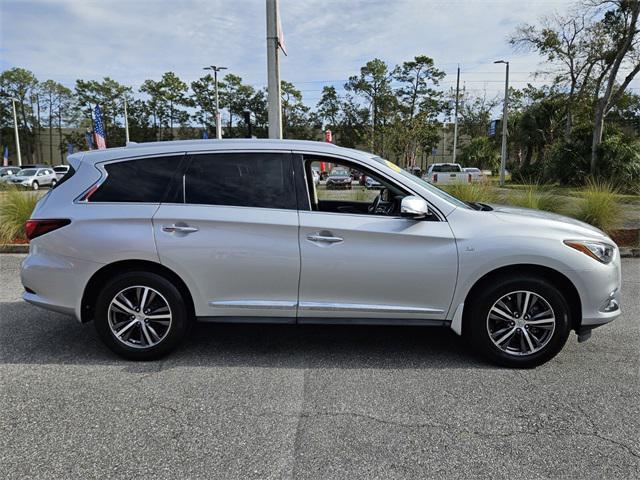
x=262 y=180
x=446 y=168
x=134 y=181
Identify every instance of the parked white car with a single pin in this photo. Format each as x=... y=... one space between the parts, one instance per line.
x=446 y=174
x=8 y=171
x=61 y=171
x=476 y=174
x=33 y=178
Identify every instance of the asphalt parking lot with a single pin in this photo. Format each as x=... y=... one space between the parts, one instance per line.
x=312 y=402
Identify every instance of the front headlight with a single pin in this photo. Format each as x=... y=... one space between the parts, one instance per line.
x=602 y=252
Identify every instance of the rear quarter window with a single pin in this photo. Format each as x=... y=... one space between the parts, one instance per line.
x=137 y=181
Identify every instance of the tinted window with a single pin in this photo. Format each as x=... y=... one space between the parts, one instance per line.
x=448 y=167
x=144 y=180
x=60 y=169
x=241 y=179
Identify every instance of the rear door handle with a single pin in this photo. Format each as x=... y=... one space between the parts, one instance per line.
x=179 y=229
x=324 y=238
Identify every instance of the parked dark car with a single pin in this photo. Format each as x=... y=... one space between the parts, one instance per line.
x=339 y=179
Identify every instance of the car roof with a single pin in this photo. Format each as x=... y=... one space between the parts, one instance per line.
x=179 y=146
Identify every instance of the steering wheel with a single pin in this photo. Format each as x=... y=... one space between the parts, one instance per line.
x=373 y=208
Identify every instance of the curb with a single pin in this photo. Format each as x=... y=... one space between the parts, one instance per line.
x=625 y=252
x=14 y=248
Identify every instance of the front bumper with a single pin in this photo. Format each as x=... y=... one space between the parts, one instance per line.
x=599 y=290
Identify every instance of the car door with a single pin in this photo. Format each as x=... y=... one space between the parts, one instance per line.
x=230 y=230
x=374 y=267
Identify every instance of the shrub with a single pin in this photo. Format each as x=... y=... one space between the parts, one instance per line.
x=620 y=161
x=472 y=192
x=537 y=196
x=599 y=206
x=15 y=210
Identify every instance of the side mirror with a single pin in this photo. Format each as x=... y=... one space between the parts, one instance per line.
x=414 y=207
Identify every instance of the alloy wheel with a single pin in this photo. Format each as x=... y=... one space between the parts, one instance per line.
x=139 y=317
x=521 y=323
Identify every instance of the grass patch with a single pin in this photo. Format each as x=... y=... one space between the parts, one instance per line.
x=15 y=209
x=472 y=192
x=536 y=196
x=599 y=206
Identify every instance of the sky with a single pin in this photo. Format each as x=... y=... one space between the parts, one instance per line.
x=327 y=41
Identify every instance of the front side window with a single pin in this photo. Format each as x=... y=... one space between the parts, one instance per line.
x=137 y=181
x=263 y=180
x=351 y=189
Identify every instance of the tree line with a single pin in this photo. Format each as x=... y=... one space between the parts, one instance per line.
x=584 y=121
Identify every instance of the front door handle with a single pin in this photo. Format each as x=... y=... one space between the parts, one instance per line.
x=179 y=229
x=316 y=237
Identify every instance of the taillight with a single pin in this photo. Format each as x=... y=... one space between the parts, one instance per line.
x=35 y=228
x=435 y=177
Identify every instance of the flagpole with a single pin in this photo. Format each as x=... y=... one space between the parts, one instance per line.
x=273 y=72
x=126 y=123
x=15 y=128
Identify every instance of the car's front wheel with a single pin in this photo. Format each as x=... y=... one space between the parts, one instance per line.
x=35 y=185
x=518 y=322
x=141 y=315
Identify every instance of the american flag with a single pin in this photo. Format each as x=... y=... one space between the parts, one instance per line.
x=98 y=129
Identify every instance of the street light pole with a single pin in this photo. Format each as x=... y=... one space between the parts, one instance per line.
x=126 y=123
x=274 y=100
x=215 y=83
x=15 y=128
x=505 y=115
x=455 y=123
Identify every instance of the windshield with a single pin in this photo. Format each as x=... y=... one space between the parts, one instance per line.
x=27 y=172
x=60 y=169
x=426 y=185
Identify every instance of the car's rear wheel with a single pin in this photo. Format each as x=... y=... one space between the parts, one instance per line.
x=141 y=315
x=35 y=185
x=518 y=322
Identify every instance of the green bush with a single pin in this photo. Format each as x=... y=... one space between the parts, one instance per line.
x=599 y=206
x=472 y=192
x=620 y=161
x=535 y=195
x=15 y=209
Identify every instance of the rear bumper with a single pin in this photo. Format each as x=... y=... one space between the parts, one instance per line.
x=55 y=282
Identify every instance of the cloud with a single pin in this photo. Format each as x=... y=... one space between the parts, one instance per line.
x=327 y=40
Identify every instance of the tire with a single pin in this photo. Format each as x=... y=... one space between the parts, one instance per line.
x=506 y=340
x=158 y=336
x=53 y=183
x=35 y=185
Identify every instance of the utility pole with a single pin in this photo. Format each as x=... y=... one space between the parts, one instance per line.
x=273 y=71
x=215 y=70
x=15 y=129
x=505 y=114
x=126 y=123
x=455 y=121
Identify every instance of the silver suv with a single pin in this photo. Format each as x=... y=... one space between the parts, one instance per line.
x=144 y=239
x=33 y=178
